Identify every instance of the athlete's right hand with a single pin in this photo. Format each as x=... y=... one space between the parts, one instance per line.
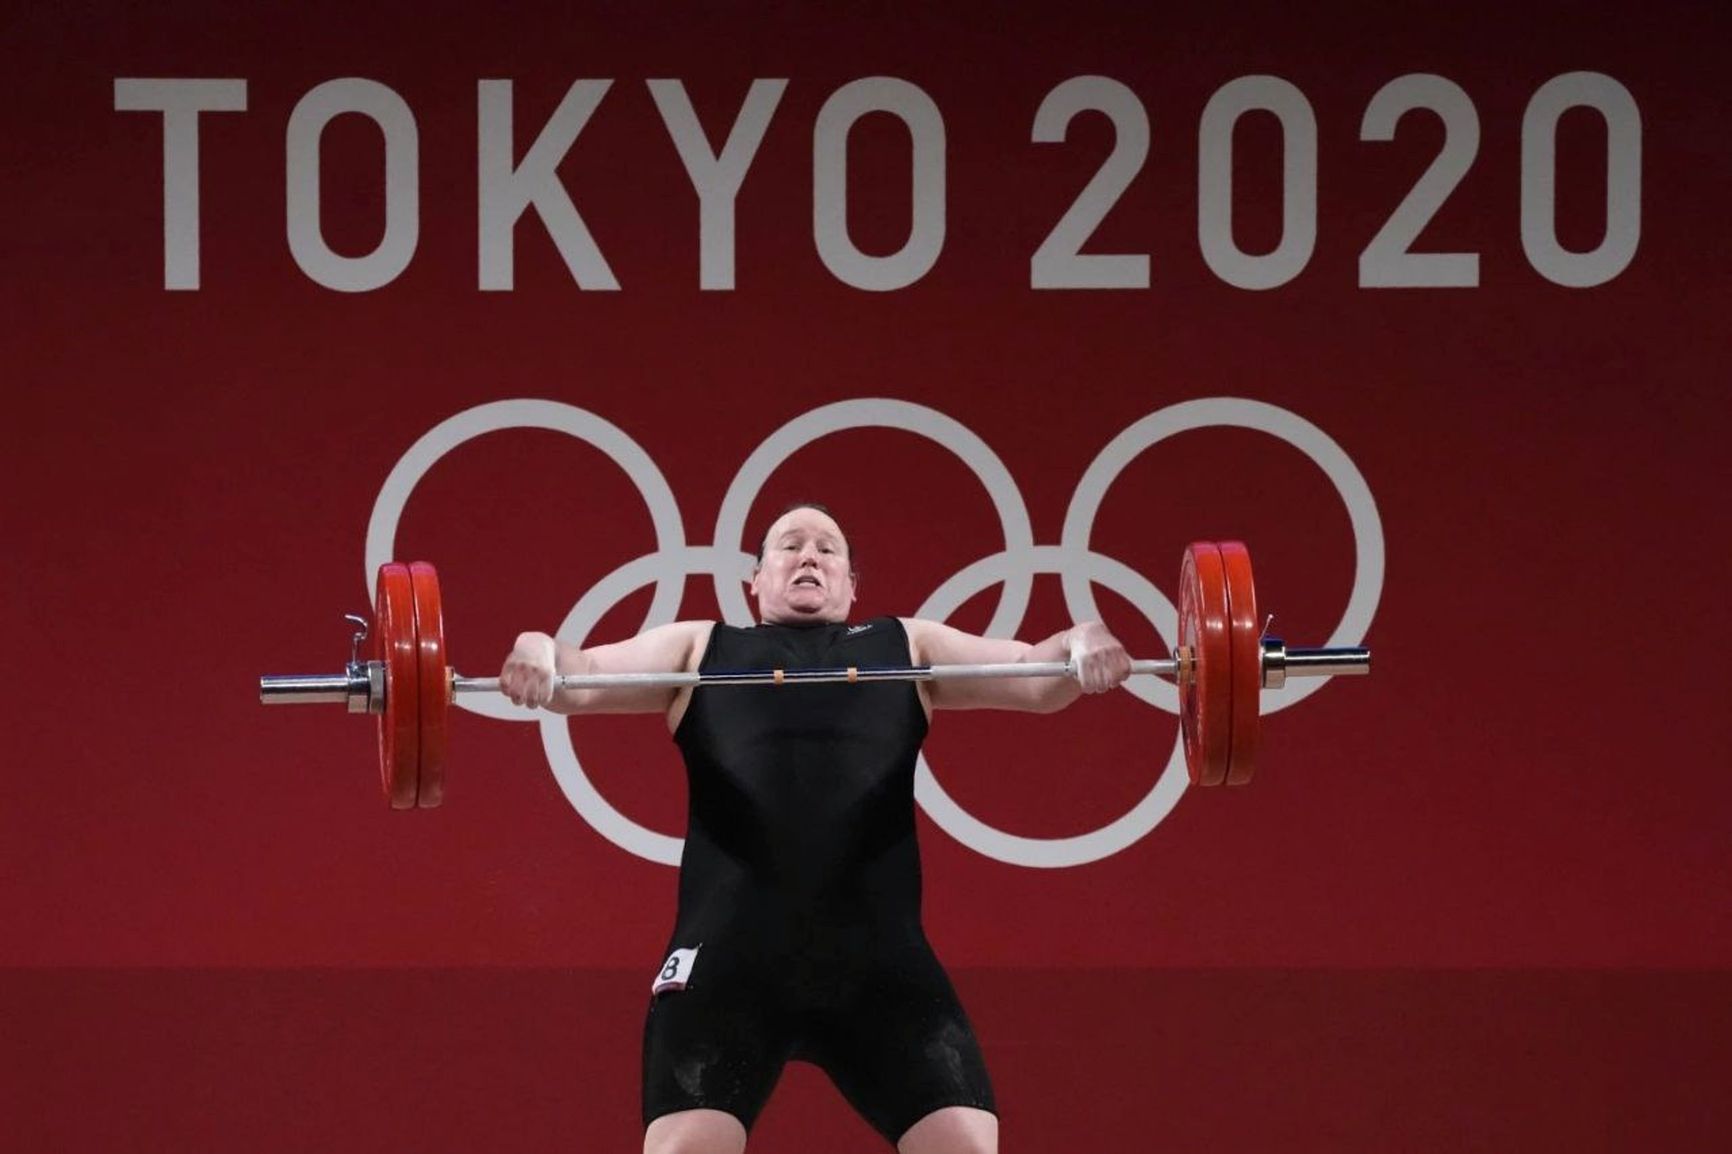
x=527 y=678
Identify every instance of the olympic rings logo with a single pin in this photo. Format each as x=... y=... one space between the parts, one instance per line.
x=1014 y=567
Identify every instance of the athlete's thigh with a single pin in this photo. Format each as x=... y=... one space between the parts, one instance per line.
x=904 y=1048
x=710 y=1048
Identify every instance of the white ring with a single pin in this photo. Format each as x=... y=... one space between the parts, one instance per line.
x=527 y=414
x=883 y=413
x=556 y=733
x=1055 y=853
x=1237 y=412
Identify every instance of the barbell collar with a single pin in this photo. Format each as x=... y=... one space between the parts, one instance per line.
x=304 y=689
x=361 y=687
x=1353 y=662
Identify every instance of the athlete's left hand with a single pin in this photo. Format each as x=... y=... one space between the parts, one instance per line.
x=1098 y=658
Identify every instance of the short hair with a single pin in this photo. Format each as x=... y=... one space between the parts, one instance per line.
x=824 y=509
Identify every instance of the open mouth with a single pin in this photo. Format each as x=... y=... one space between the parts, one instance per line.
x=808 y=580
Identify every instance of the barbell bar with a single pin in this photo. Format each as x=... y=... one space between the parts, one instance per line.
x=362 y=689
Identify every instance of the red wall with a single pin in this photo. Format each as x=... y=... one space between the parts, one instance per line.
x=1477 y=900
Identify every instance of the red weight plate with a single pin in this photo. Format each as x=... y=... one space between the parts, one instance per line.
x=1246 y=644
x=1205 y=700
x=394 y=644
x=435 y=682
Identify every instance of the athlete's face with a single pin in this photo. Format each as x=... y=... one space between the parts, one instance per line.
x=805 y=576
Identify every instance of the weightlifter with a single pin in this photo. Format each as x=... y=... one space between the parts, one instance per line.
x=798 y=933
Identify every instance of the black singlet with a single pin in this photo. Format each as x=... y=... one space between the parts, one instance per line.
x=800 y=891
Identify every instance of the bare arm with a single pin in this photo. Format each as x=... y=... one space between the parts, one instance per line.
x=1101 y=661
x=527 y=677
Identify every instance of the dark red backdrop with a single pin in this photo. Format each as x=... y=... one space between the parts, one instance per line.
x=1479 y=900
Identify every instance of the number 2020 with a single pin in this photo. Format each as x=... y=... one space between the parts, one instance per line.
x=1388 y=261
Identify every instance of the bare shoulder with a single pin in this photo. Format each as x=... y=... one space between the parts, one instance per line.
x=916 y=629
x=935 y=643
x=675 y=647
x=697 y=634
x=695 y=639
x=687 y=642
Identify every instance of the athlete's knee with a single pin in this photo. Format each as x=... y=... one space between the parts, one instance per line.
x=952 y=1130
x=695 y=1132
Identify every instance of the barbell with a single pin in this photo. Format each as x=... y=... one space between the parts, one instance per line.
x=1222 y=661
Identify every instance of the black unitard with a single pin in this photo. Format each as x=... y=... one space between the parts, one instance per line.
x=800 y=892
